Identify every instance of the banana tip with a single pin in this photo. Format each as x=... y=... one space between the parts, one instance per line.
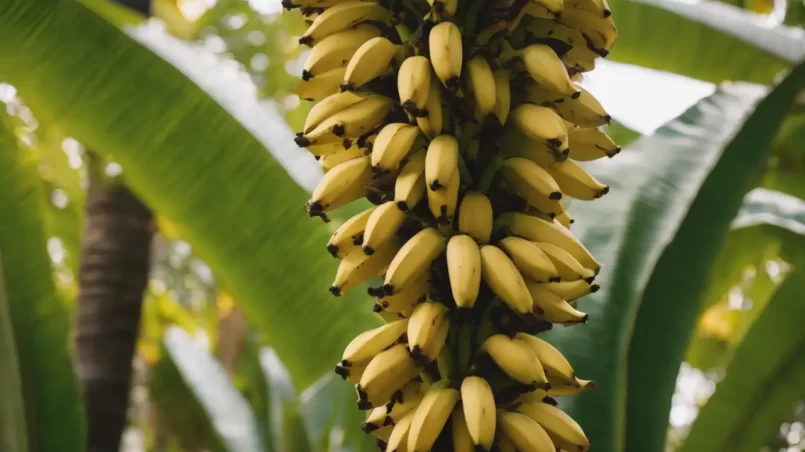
x=346 y=86
x=342 y=372
x=556 y=195
x=333 y=250
x=550 y=401
x=302 y=141
x=365 y=404
x=576 y=95
x=306 y=76
x=594 y=288
x=589 y=279
x=585 y=318
x=607 y=13
x=402 y=205
x=305 y=40
x=335 y=290
x=368 y=250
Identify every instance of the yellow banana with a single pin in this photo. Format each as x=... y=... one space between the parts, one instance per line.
x=553 y=361
x=565 y=219
x=599 y=7
x=441 y=161
x=529 y=179
x=349 y=235
x=383 y=433
x=413 y=84
x=568 y=267
x=462 y=442
x=442 y=203
x=535 y=396
x=515 y=360
x=502 y=94
x=504 y=445
x=600 y=30
x=582 y=111
x=345 y=183
x=410 y=186
x=547 y=69
x=571 y=290
x=353 y=373
x=325 y=84
x=369 y=343
x=591 y=144
x=391 y=146
x=579 y=386
x=427 y=331
x=323 y=150
x=540 y=124
x=328 y=107
x=574 y=50
x=413 y=259
x=479 y=411
x=554 y=6
x=352 y=122
x=433 y=122
x=532 y=262
x=538 y=11
x=407 y=298
x=479 y=88
x=524 y=433
x=565 y=432
x=330 y=161
x=475 y=216
x=343 y=16
x=336 y=50
x=398 y=441
x=369 y=62
x=403 y=403
x=540 y=152
x=431 y=415
x=576 y=182
x=382 y=225
x=554 y=309
x=357 y=267
x=446 y=53
x=464 y=270
x=505 y=279
x=386 y=373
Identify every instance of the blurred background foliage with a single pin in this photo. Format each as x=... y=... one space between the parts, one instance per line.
x=210 y=376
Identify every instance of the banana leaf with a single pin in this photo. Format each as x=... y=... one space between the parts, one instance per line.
x=53 y=411
x=13 y=434
x=287 y=427
x=208 y=161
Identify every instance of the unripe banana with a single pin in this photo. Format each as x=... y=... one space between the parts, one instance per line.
x=475 y=216
x=413 y=259
x=343 y=184
x=413 y=84
x=431 y=415
x=427 y=331
x=462 y=441
x=479 y=88
x=515 y=360
x=553 y=361
x=398 y=441
x=529 y=180
x=525 y=434
x=369 y=343
x=391 y=146
x=568 y=267
x=406 y=299
x=443 y=203
x=444 y=363
x=505 y=280
x=336 y=50
x=599 y=30
x=330 y=161
x=381 y=227
x=547 y=69
x=441 y=161
x=540 y=124
x=479 y=411
x=433 y=123
x=369 y=62
x=328 y=107
x=502 y=94
x=571 y=290
x=405 y=401
x=464 y=270
x=386 y=373
x=325 y=84
x=446 y=53
x=554 y=309
x=410 y=186
x=343 y=16
x=352 y=122
x=357 y=267
x=591 y=144
x=349 y=235
x=532 y=262
x=576 y=182
x=563 y=430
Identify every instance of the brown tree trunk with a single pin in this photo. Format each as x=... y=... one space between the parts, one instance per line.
x=113 y=274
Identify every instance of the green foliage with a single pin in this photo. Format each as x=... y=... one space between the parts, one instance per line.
x=13 y=434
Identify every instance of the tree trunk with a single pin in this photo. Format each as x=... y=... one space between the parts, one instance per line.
x=113 y=274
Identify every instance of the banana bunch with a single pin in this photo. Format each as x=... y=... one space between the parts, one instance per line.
x=463 y=125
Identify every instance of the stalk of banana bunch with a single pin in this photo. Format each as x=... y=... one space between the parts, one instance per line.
x=460 y=126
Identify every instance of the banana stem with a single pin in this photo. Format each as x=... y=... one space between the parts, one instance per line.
x=403 y=32
x=465 y=349
x=464 y=170
x=489 y=174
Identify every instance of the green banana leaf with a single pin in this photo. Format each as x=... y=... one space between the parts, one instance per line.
x=764 y=380
x=707 y=41
x=198 y=399
x=787 y=166
x=199 y=159
x=287 y=427
x=54 y=414
x=670 y=303
x=13 y=434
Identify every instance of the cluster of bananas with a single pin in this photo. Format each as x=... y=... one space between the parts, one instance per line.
x=462 y=122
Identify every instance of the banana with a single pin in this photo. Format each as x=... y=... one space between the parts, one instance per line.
x=369 y=62
x=600 y=30
x=532 y=262
x=291 y=4
x=391 y=146
x=554 y=6
x=515 y=360
x=352 y=122
x=571 y=290
x=446 y=53
x=433 y=123
x=583 y=110
x=505 y=280
x=368 y=344
x=441 y=161
x=540 y=124
x=539 y=230
x=479 y=88
x=381 y=227
x=464 y=270
x=398 y=441
x=444 y=6
x=591 y=144
x=336 y=50
x=576 y=182
x=563 y=430
x=442 y=203
x=504 y=445
x=328 y=107
x=427 y=331
x=571 y=46
x=431 y=415
x=410 y=186
x=565 y=219
x=502 y=95
x=329 y=162
x=475 y=216
x=343 y=184
x=568 y=267
x=349 y=234
x=357 y=267
x=538 y=11
x=402 y=403
x=547 y=69
x=479 y=411
x=383 y=433
x=343 y=16
x=529 y=179
x=567 y=390
x=386 y=373
x=413 y=259
x=462 y=442
x=599 y=7
x=535 y=396
x=407 y=298
x=325 y=84
x=353 y=373
x=540 y=152
x=524 y=433
x=323 y=150
x=413 y=85
x=553 y=361
x=554 y=309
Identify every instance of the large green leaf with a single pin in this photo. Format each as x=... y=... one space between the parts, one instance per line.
x=13 y=434
x=191 y=160
x=671 y=300
x=53 y=411
x=707 y=41
x=287 y=426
